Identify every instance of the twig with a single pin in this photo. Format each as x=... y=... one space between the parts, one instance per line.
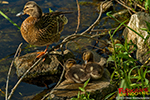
x=12 y=91
x=100 y=13
x=127 y=9
x=92 y=30
x=70 y=36
x=78 y=6
x=139 y=5
x=126 y=6
x=7 y=82
x=146 y=62
x=77 y=25
x=56 y=84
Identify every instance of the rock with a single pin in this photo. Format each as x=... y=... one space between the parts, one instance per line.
x=137 y=22
x=68 y=89
x=46 y=72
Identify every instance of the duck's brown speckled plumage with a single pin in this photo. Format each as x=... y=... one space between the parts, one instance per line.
x=39 y=28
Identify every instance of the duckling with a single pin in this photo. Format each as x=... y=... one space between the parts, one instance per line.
x=95 y=69
x=75 y=72
x=41 y=29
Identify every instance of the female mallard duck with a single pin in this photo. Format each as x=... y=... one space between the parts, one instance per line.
x=75 y=72
x=95 y=69
x=41 y=29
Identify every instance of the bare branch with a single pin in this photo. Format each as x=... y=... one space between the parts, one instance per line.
x=100 y=13
x=126 y=6
x=12 y=91
x=56 y=84
x=78 y=6
x=7 y=82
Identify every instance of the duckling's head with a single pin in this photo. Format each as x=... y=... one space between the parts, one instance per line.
x=87 y=56
x=69 y=63
x=31 y=8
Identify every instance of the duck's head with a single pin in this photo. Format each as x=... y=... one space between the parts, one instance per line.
x=87 y=56
x=32 y=9
x=69 y=63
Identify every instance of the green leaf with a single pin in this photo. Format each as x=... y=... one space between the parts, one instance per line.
x=122 y=84
x=148 y=25
x=124 y=56
x=146 y=5
x=50 y=10
x=146 y=81
x=84 y=98
x=145 y=40
x=144 y=74
x=85 y=84
x=147 y=53
x=144 y=29
x=20 y=93
x=110 y=59
x=82 y=89
x=73 y=99
x=134 y=77
x=109 y=95
x=78 y=95
x=120 y=45
x=148 y=71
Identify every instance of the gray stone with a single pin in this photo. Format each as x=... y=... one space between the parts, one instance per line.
x=137 y=22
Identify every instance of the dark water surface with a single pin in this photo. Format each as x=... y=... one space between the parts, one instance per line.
x=10 y=38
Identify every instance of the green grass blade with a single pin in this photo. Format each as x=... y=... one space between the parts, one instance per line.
x=109 y=95
x=9 y=19
x=82 y=89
